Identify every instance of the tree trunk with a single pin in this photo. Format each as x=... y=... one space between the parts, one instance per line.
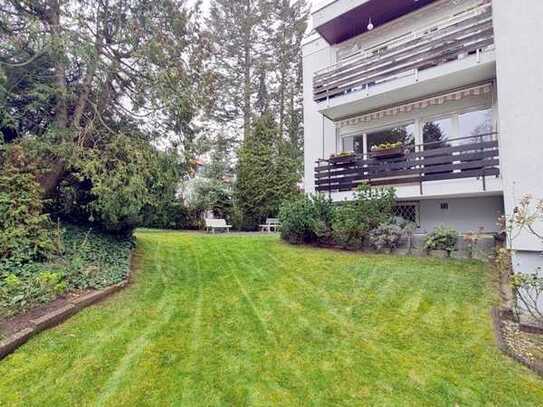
x=61 y=109
x=247 y=88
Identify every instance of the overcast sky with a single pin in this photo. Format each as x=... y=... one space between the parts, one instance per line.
x=314 y=3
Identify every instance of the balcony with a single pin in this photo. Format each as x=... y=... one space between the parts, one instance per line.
x=468 y=34
x=474 y=157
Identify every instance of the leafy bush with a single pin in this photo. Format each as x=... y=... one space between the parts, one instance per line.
x=441 y=238
x=386 y=237
x=374 y=205
x=171 y=215
x=307 y=219
x=210 y=195
x=317 y=218
x=86 y=260
x=115 y=187
x=324 y=210
x=25 y=229
x=347 y=228
x=298 y=220
x=370 y=208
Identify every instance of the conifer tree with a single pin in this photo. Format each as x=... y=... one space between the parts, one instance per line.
x=264 y=179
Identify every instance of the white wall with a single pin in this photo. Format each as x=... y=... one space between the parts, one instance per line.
x=519 y=52
x=321 y=140
x=463 y=214
x=319 y=133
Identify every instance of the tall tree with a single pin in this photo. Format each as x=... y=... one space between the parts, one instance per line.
x=286 y=51
x=97 y=81
x=236 y=28
x=263 y=179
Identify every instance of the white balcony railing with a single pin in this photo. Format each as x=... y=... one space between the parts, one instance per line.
x=470 y=32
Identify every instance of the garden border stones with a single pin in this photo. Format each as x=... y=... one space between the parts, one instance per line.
x=59 y=315
x=498 y=318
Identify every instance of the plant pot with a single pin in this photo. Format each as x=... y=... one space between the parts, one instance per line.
x=440 y=254
x=345 y=159
x=390 y=153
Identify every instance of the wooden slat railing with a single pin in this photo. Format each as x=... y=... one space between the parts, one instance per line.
x=468 y=157
x=471 y=32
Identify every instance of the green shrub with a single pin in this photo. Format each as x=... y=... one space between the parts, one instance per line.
x=386 y=237
x=298 y=220
x=324 y=210
x=317 y=218
x=86 y=260
x=118 y=186
x=34 y=284
x=441 y=238
x=347 y=228
x=374 y=205
x=25 y=230
x=307 y=219
x=370 y=208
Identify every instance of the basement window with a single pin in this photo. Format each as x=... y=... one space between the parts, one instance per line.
x=408 y=211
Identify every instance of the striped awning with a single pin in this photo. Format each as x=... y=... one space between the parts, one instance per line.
x=418 y=104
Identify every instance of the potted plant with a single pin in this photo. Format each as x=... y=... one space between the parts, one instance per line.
x=441 y=242
x=344 y=156
x=387 y=150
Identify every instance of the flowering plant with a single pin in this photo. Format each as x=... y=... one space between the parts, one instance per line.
x=386 y=146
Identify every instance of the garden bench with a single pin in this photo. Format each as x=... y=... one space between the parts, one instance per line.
x=214 y=224
x=272 y=225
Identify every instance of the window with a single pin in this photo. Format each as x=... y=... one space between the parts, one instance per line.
x=404 y=134
x=353 y=144
x=408 y=211
x=437 y=132
x=348 y=145
x=476 y=123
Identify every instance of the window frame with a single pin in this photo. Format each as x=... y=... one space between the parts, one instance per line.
x=364 y=134
x=416 y=205
x=419 y=121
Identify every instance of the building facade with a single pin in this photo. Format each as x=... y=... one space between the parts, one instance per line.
x=438 y=98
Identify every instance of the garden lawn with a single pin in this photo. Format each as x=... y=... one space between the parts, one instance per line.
x=238 y=320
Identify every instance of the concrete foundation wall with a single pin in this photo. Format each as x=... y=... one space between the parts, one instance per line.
x=463 y=214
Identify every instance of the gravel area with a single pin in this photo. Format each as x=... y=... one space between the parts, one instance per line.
x=526 y=345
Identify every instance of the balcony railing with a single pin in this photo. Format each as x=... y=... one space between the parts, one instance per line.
x=467 y=157
x=470 y=32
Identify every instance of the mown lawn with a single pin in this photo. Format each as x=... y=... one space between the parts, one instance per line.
x=248 y=320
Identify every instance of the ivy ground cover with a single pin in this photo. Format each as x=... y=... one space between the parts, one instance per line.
x=248 y=320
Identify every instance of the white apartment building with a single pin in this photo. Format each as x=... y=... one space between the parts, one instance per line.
x=441 y=99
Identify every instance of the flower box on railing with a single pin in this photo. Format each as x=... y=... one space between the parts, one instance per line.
x=387 y=150
x=342 y=158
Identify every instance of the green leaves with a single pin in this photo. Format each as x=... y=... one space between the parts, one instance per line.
x=25 y=235
x=316 y=218
x=120 y=184
x=266 y=177
x=441 y=238
x=86 y=260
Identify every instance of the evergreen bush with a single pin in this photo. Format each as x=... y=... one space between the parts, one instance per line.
x=441 y=238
